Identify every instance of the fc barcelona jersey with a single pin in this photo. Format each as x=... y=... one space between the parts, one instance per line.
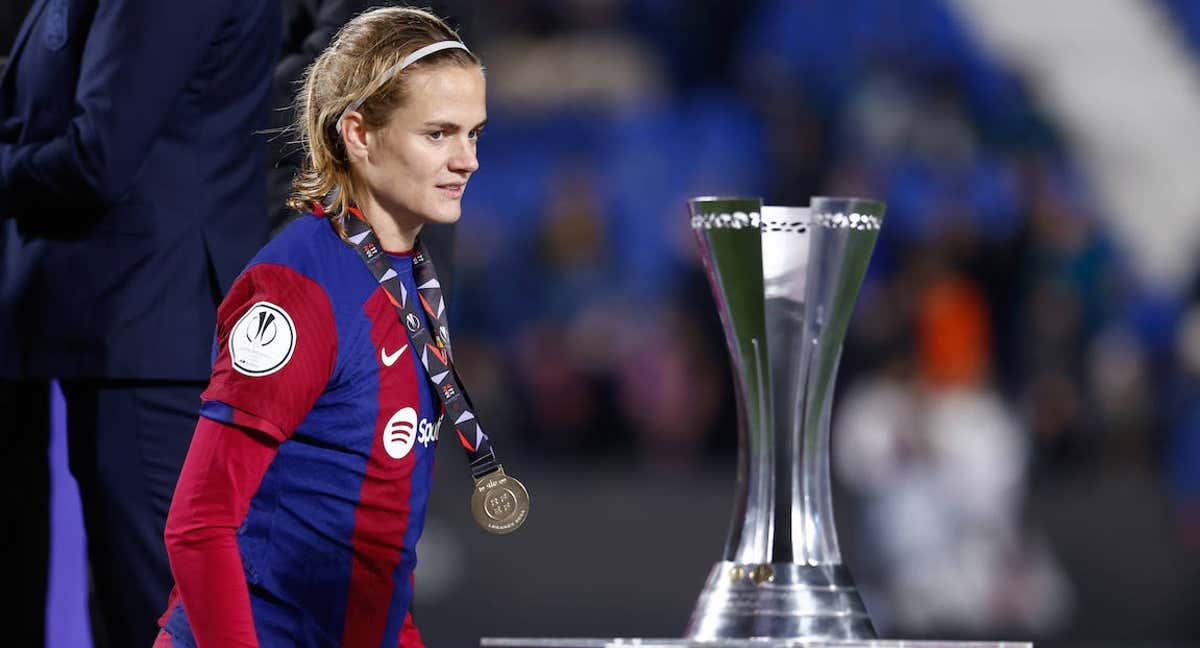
x=310 y=350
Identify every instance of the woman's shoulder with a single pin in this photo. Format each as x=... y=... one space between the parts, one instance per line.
x=306 y=245
x=310 y=250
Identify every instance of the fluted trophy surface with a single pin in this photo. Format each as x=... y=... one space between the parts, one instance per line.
x=785 y=280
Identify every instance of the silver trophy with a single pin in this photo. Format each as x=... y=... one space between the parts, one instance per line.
x=785 y=280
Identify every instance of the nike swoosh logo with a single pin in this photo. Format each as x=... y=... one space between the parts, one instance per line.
x=390 y=359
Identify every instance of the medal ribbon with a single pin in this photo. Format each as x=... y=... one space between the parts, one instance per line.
x=434 y=345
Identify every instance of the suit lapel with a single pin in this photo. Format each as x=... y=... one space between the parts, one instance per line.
x=23 y=35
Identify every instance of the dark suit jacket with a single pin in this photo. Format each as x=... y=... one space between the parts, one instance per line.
x=131 y=181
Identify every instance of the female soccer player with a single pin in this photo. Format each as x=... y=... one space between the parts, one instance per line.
x=297 y=514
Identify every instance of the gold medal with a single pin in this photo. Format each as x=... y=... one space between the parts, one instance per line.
x=500 y=503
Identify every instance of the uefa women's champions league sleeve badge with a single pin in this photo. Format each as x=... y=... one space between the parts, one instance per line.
x=262 y=341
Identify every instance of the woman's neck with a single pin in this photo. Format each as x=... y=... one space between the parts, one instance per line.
x=394 y=236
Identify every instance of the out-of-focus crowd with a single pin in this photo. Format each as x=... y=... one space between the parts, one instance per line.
x=1001 y=344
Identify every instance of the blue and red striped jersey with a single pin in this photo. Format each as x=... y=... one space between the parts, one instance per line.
x=310 y=350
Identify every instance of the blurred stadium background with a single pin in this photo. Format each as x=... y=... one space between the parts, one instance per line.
x=1017 y=426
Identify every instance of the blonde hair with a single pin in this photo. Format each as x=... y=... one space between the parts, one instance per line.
x=353 y=69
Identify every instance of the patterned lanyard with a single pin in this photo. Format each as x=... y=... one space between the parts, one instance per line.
x=500 y=503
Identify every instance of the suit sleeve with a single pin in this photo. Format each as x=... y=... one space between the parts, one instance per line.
x=276 y=350
x=138 y=57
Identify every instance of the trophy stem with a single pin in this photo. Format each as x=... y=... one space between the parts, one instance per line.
x=785 y=281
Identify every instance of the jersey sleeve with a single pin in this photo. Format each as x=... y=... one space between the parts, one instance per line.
x=223 y=469
x=276 y=348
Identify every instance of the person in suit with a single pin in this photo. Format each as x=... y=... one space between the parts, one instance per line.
x=132 y=184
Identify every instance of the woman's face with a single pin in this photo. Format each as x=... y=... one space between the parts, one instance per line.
x=417 y=166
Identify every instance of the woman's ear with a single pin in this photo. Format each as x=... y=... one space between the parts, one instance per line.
x=354 y=135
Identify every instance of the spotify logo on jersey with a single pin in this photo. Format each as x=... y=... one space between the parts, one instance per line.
x=403 y=431
x=400 y=433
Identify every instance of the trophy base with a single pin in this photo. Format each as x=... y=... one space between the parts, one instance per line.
x=785 y=600
x=739 y=643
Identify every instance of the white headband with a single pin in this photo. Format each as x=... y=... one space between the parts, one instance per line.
x=405 y=62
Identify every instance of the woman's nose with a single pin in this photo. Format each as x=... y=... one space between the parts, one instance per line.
x=464 y=159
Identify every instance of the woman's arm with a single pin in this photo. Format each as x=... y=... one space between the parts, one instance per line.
x=245 y=414
x=223 y=469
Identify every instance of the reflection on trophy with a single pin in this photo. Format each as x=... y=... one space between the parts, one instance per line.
x=785 y=280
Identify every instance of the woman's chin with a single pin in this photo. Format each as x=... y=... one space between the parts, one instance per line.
x=444 y=216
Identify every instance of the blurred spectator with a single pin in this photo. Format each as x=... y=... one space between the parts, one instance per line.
x=939 y=459
x=953 y=335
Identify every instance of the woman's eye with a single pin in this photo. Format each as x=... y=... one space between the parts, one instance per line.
x=437 y=135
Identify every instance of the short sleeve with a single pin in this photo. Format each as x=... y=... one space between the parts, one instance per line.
x=276 y=347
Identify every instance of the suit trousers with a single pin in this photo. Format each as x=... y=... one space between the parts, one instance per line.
x=126 y=442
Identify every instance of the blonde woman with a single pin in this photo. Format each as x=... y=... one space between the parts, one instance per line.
x=297 y=514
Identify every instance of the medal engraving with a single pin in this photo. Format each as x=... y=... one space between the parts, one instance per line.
x=500 y=503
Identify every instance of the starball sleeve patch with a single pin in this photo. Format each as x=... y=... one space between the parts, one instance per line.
x=262 y=340
x=276 y=350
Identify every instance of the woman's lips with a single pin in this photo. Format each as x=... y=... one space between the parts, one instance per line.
x=454 y=190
